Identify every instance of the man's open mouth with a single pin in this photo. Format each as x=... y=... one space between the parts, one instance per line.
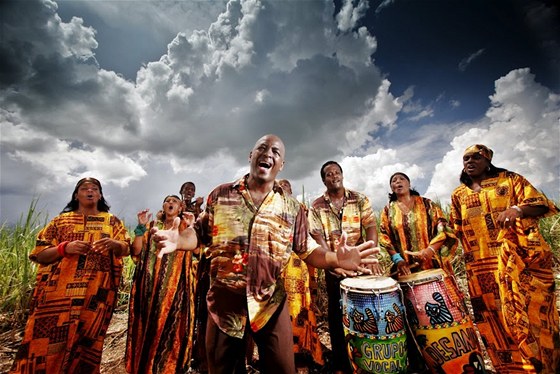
x=265 y=165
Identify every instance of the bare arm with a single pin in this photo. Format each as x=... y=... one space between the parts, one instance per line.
x=506 y=219
x=144 y=217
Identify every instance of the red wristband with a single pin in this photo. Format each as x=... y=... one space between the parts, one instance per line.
x=61 y=248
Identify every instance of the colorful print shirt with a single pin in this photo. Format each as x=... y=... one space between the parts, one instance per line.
x=356 y=214
x=249 y=248
x=72 y=226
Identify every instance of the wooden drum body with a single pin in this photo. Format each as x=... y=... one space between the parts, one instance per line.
x=374 y=324
x=440 y=322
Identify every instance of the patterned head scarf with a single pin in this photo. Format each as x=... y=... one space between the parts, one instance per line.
x=483 y=150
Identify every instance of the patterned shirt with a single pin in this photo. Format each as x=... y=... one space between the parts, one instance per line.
x=356 y=214
x=474 y=215
x=249 y=248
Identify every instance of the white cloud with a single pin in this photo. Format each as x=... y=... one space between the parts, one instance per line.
x=469 y=59
x=349 y=15
x=195 y=112
x=521 y=126
x=196 y=101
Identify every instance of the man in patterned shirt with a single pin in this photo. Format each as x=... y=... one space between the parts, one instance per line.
x=340 y=210
x=250 y=227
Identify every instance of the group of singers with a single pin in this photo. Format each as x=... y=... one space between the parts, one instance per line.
x=241 y=272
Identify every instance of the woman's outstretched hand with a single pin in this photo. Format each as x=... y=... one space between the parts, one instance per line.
x=168 y=241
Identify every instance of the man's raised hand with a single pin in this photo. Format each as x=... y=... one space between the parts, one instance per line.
x=354 y=258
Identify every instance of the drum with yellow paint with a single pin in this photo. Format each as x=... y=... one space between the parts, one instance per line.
x=440 y=322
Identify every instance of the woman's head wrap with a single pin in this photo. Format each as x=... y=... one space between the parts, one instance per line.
x=483 y=150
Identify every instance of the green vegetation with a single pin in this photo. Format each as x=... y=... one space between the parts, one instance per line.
x=18 y=273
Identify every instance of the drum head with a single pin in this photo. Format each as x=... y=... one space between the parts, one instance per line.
x=369 y=284
x=423 y=276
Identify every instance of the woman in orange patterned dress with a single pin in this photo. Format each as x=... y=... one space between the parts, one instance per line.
x=496 y=214
x=414 y=231
x=80 y=264
x=161 y=310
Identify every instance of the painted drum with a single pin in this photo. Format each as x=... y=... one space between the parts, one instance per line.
x=374 y=323
x=439 y=319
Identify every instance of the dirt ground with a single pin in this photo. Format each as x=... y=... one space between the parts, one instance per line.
x=115 y=342
x=113 y=351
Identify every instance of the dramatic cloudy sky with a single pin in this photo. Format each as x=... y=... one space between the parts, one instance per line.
x=145 y=95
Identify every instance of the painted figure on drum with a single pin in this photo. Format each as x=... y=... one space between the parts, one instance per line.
x=496 y=213
x=439 y=312
x=374 y=325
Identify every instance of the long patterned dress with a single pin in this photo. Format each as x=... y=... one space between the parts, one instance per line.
x=423 y=225
x=161 y=311
x=73 y=300
x=509 y=275
x=304 y=322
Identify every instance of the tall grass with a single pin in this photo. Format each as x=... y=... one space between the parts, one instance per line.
x=18 y=273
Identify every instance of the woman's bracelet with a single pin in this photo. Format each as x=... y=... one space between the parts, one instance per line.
x=140 y=230
x=396 y=258
x=432 y=249
x=61 y=248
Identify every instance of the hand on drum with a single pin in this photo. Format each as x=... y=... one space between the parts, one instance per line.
x=425 y=254
x=356 y=258
x=402 y=268
x=376 y=269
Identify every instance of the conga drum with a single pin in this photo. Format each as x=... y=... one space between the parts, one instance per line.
x=440 y=322
x=374 y=324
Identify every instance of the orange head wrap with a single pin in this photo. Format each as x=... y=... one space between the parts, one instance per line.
x=479 y=148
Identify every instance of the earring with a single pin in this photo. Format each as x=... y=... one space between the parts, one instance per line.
x=488 y=168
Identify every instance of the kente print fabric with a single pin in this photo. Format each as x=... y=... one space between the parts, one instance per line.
x=425 y=224
x=161 y=311
x=510 y=275
x=73 y=299
x=249 y=249
x=304 y=322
